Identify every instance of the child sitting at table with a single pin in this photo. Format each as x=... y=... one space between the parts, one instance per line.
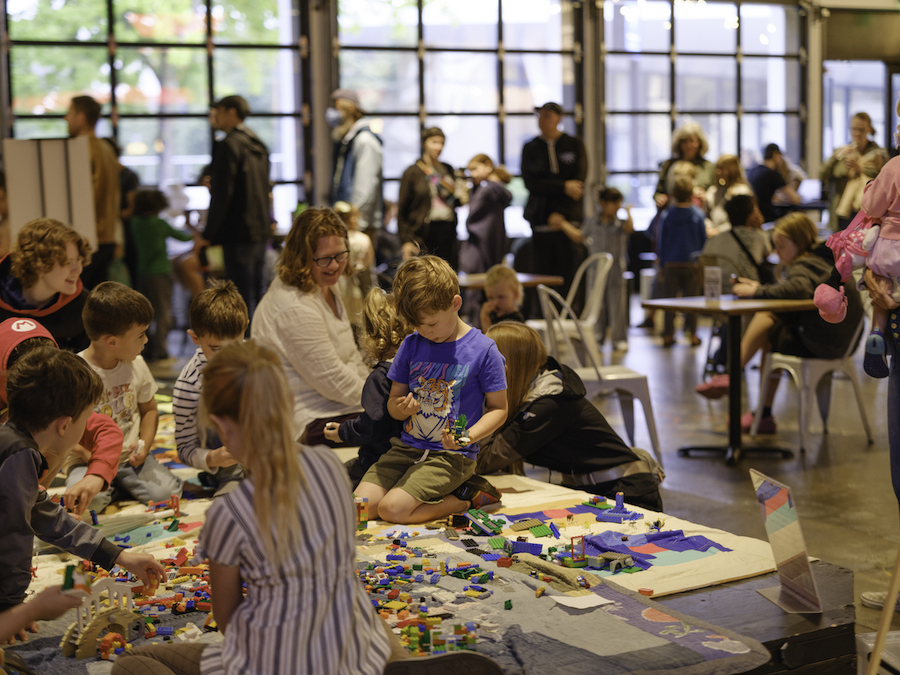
x=445 y=370
x=288 y=532
x=504 y=297
x=803 y=334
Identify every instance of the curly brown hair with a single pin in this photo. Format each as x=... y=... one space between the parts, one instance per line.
x=295 y=263
x=40 y=246
x=383 y=329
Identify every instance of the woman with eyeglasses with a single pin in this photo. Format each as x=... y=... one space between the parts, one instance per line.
x=304 y=320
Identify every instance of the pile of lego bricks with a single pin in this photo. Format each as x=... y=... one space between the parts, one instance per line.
x=440 y=598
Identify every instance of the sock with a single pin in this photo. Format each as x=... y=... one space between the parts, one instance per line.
x=767 y=411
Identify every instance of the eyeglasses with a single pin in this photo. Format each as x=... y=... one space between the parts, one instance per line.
x=326 y=261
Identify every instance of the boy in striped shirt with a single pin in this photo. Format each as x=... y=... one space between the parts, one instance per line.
x=218 y=316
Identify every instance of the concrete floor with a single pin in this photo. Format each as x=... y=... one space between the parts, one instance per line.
x=841 y=483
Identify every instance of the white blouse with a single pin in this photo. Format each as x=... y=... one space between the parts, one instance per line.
x=324 y=368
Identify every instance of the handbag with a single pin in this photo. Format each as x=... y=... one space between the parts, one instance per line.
x=763 y=268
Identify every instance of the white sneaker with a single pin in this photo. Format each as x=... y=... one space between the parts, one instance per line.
x=876 y=600
x=621 y=346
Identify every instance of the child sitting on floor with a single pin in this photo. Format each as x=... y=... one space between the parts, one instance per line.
x=288 y=531
x=383 y=331
x=116 y=320
x=87 y=486
x=504 y=297
x=442 y=372
x=50 y=397
x=218 y=315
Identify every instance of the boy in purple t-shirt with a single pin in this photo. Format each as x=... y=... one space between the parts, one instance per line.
x=444 y=370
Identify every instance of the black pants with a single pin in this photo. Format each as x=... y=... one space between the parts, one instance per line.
x=639 y=489
x=440 y=240
x=244 y=266
x=98 y=271
x=556 y=254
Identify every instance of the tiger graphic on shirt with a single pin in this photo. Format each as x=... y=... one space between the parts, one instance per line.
x=435 y=398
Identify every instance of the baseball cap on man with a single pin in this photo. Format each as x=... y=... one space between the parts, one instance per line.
x=348 y=95
x=552 y=107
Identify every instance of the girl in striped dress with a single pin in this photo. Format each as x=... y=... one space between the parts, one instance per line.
x=288 y=531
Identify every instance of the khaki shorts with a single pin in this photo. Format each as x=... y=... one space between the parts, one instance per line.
x=430 y=481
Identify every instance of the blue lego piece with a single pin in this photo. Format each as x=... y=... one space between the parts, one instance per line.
x=165 y=630
x=436 y=577
x=118 y=650
x=420 y=578
x=399 y=558
x=94 y=520
x=491 y=557
x=554 y=530
x=526 y=547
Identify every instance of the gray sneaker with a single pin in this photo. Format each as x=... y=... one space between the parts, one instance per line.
x=876 y=600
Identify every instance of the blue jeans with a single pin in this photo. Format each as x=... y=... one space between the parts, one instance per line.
x=149 y=482
x=244 y=266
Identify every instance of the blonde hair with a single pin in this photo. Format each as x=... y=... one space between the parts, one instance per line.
x=383 y=329
x=40 y=245
x=501 y=274
x=684 y=132
x=733 y=169
x=245 y=382
x=685 y=168
x=295 y=263
x=500 y=171
x=424 y=285
x=525 y=355
x=799 y=229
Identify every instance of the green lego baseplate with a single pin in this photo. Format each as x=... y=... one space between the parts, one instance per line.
x=497 y=543
x=540 y=531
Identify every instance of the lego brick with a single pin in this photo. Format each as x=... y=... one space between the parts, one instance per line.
x=554 y=530
x=476 y=551
x=520 y=525
x=526 y=547
x=497 y=543
x=504 y=562
x=540 y=531
x=469 y=543
x=490 y=557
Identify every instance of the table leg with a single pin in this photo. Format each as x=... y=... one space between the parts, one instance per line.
x=735 y=449
x=735 y=372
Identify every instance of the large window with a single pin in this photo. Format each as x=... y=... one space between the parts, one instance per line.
x=733 y=67
x=156 y=67
x=475 y=68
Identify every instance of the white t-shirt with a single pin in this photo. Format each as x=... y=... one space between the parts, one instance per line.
x=124 y=387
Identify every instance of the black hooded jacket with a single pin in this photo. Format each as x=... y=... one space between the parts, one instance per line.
x=557 y=428
x=239 y=200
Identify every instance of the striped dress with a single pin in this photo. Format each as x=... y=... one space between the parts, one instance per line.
x=309 y=614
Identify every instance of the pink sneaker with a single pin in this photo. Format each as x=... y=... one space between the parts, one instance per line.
x=766 y=424
x=715 y=387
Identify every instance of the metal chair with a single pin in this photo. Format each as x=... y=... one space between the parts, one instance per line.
x=814 y=375
x=627 y=383
x=599 y=265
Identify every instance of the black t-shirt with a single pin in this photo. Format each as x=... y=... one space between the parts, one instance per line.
x=765 y=183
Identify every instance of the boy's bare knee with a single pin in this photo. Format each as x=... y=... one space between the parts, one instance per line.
x=394 y=510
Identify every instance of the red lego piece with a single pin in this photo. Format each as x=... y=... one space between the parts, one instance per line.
x=504 y=562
